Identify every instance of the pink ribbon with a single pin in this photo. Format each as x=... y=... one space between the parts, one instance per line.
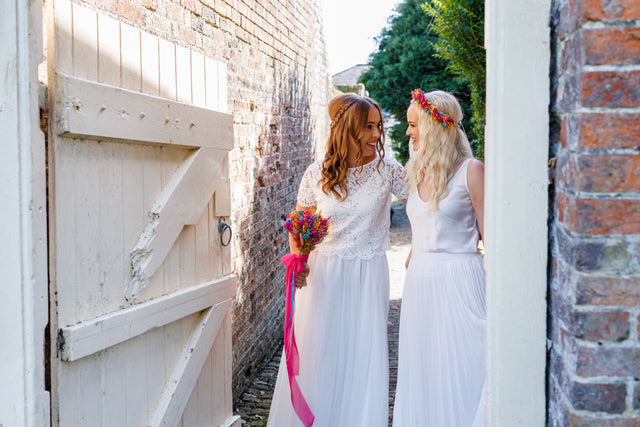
x=295 y=265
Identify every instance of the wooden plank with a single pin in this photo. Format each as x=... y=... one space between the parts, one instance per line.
x=197 y=80
x=113 y=379
x=135 y=374
x=108 y=50
x=185 y=374
x=152 y=188
x=202 y=246
x=215 y=259
x=223 y=198
x=86 y=233
x=150 y=64
x=89 y=392
x=65 y=244
x=154 y=364
x=85 y=43
x=218 y=396
x=68 y=395
x=187 y=241
x=130 y=54
x=111 y=269
x=63 y=37
x=190 y=414
x=222 y=87
x=94 y=110
x=167 y=51
x=211 y=83
x=227 y=356
x=180 y=204
x=132 y=199
x=183 y=74
x=97 y=334
x=204 y=387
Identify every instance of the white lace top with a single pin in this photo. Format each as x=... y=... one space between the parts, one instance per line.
x=359 y=225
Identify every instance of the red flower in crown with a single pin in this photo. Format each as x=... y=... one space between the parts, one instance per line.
x=439 y=116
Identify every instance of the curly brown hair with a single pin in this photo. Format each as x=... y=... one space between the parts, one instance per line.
x=349 y=114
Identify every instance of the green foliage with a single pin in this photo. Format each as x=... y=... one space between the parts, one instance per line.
x=459 y=25
x=405 y=60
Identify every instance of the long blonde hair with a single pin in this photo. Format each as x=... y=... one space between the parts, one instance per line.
x=349 y=115
x=439 y=148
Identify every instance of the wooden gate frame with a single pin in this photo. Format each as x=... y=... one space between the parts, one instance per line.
x=24 y=401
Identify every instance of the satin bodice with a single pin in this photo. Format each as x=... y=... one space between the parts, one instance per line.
x=453 y=228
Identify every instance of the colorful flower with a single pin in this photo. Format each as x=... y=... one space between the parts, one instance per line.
x=308 y=227
x=426 y=105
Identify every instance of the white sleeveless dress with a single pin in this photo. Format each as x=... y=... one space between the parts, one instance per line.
x=441 y=349
x=340 y=317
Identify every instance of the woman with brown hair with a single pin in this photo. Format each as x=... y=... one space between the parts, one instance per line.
x=341 y=312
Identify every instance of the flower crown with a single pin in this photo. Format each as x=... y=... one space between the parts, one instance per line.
x=432 y=110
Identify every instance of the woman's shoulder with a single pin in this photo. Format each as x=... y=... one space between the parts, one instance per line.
x=474 y=166
x=475 y=173
x=314 y=168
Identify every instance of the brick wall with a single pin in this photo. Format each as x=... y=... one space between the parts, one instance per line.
x=278 y=90
x=594 y=366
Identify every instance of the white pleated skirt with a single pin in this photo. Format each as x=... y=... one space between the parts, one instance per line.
x=341 y=332
x=441 y=349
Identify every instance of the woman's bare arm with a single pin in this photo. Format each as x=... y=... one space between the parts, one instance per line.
x=475 y=182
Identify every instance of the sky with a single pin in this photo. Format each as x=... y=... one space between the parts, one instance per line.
x=350 y=27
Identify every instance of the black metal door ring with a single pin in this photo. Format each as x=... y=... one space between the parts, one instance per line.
x=223 y=227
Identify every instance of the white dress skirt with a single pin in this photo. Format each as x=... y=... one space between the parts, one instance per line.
x=340 y=317
x=341 y=332
x=441 y=349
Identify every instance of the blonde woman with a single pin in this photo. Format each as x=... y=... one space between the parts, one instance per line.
x=341 y=314
x=441 y=353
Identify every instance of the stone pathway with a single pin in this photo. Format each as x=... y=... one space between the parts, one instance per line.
x=253 y=405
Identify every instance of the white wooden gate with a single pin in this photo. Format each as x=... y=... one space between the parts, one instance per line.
x=140 y=282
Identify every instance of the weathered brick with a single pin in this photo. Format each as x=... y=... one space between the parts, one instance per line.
x=570 y=93
x=636 y=396
x=609 y=173
x=612 y=46
x=149 y=4
x=569 y=17
x=606 y=216
x=593 y=254
x=608 y=291
x=611 y=89
x=609 y=398
x=605 y=361
x=596 y=10
x=575 y=420
x=565 y=206
x=608 y=130
x=566 y=171
x=130 y=11
x=572 y=56
x=600 y=326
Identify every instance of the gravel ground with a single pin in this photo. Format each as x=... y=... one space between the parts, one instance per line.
x=253 y=405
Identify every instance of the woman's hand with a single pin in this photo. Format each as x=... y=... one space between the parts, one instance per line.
x=301 y=278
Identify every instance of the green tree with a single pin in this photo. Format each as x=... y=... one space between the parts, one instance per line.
x=459 y=25
x=404 y=60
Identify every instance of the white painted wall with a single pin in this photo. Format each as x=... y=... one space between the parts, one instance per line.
x=23 y=262
x=518 y=51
